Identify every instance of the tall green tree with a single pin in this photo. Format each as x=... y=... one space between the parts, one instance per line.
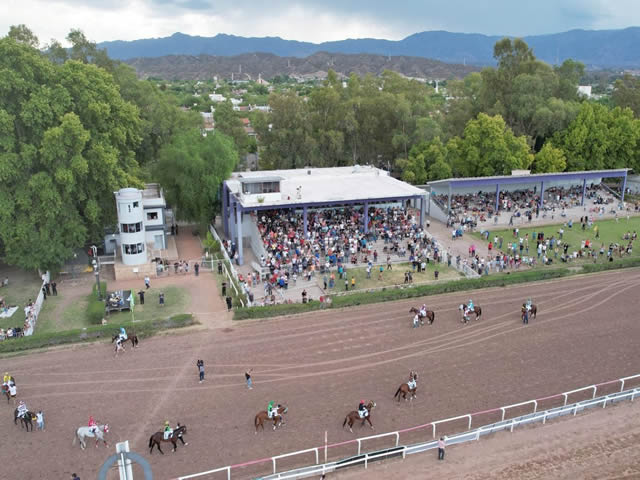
x=489 y=147
x=626 y=93
x=67 y=142
x=191 y=169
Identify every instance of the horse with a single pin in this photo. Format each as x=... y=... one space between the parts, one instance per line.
x=476 y=310
x=263 y=415
x=404 y=389
x=532 y=312
x=431 y=316
x=133 y=339
x=157 y=438
x=98 y=434
x=7 y=392
x=354 y=415
x=26 y=420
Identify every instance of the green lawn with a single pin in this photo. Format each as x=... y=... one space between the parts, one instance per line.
x=176 y=300
x=610 y=232
x=389 y=277
x=52 y=319
x=23 y=286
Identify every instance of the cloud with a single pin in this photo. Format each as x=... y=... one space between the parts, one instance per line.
x=311 y=20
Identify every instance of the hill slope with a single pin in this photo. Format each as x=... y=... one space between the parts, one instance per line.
x=250 y=65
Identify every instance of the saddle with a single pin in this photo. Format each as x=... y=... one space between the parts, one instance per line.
x=363 y=413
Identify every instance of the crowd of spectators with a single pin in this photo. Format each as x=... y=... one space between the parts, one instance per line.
x=512 y=253
x=335 y=242
x=468 y=210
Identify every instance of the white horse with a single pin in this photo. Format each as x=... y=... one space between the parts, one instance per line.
x=83 y=432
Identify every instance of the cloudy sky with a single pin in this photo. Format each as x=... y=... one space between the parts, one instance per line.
x=311 y=20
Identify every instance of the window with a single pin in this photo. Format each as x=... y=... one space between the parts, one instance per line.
x=257 y=188
x=132 y=249
x=135 y=204
x=152 y=215
x=130 y=227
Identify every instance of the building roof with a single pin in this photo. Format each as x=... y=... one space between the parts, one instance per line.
x=323 y=186
x=528 y=178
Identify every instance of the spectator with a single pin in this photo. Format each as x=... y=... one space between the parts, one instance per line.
x=161 y=299
x=219 y=267
x=196 y=268
x=229 y=304
x=441 y=446
x=200 y=365
x=74 y=477
x=147 y=282
x=247 y=376
x=141 y=295
x=40 y=420
x=224 y=289
x=54 y=289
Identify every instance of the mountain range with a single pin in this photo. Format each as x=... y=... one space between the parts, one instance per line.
x=595 y=48
x=268 y=65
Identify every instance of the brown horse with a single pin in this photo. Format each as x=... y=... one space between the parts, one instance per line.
x=533 y=312
x=476 y=310
x=157 y=438
x=263 y=416
x=26 y=421
x=430 y=316
x=133 y=339
x=404 y=389
x=352 y=416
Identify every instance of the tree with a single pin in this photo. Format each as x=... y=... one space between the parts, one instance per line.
x=549 y=159
x=228 y=122
x=626 y=93
x=191 y=169
x=21 y=34
x=489 y=147
x=67 y=142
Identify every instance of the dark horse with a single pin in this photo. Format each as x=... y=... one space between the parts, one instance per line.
x=5 y=391
x=352 y=416
x=157 y=438
x=26 y=421
x=430 y=316
x=533 y=312
x=132 y=338
x=476 y=310
x=404 y=389
x=263 y=416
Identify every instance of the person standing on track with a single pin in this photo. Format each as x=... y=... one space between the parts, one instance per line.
x=200 y=365
x=441 y=446
x=247 y=376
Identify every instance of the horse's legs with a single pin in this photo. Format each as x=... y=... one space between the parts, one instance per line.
x=368 y=420
x=158 y=444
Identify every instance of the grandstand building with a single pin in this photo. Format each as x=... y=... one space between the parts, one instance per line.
x=519 y=181
x=304 y=190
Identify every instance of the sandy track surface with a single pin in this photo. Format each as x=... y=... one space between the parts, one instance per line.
x=321 y=365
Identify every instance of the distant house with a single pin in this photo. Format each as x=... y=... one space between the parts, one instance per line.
x=209 y=123
x=217 y=97
x=584 y=91
x=260 y=108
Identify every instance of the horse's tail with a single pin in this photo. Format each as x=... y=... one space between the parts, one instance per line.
x=255 y=421
x=479 y=311
x=150 y=441
x=345 y=421
x=397 y=392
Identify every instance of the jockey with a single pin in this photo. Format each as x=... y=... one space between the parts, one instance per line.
x=92 y=424
x=470 y=306
x=271 y=411
x=22 y=409
x=167 y=430
x=412 y=383
x=123 y=334
x=528 y=304
x=362 y=409
x=6 y=378
x=423 y=310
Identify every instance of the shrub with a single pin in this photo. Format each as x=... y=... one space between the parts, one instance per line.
x=95 y=307
x=141 y=329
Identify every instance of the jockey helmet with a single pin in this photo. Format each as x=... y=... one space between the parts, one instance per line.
x=166 y=422
x=361 y=401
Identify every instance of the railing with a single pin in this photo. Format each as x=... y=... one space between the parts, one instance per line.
x=466 y=435
x=231 y=268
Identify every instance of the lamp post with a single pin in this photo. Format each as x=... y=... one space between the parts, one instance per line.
x=96 y=271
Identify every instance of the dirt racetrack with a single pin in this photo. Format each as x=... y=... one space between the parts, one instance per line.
x=321 y=365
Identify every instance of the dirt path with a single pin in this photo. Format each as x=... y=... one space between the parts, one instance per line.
x=321 y=365
x=600 y=444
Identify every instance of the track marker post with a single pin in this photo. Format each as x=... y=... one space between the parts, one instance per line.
x=325 y=446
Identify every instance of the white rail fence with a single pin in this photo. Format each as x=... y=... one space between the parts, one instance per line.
x=231 y=271
x=467 y=435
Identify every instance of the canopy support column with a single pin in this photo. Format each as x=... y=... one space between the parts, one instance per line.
x=584 y=189
x=239 y=226
x=304 y=221
x=542 y=194
x=497 y=197
x=366 y=217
